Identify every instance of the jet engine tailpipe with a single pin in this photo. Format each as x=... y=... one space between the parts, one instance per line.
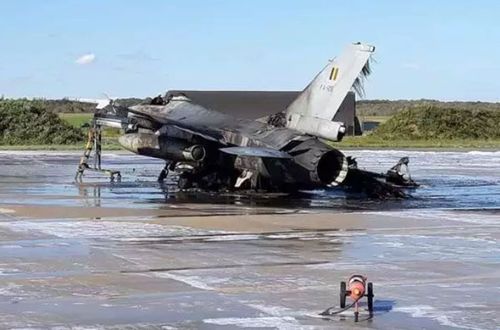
x=326 y=166
x=332 y=168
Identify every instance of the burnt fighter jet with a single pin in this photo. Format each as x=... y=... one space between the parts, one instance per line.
x=291 y=151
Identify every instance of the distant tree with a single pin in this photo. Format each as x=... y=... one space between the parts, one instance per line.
x=25 y=122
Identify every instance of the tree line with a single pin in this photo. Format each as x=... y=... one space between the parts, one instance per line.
x=363 y=107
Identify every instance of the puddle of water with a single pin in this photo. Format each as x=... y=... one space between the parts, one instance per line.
x=450 y=180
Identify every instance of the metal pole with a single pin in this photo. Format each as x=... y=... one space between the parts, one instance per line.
x=98 y=148
x=94 y=133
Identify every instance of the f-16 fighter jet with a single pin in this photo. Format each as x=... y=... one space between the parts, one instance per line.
x=291 y=151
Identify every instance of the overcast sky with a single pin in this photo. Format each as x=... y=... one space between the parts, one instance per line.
x=447 y=50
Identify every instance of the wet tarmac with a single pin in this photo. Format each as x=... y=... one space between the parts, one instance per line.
x=139 y=255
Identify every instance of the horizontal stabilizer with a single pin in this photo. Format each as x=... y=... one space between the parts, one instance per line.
x=256 y=152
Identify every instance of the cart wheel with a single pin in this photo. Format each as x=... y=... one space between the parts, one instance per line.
x=370 y=297
x=342 y=294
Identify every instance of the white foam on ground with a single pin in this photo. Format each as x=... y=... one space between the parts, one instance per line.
x=466 y=217
x=10 y=246
x=281 y=311
x=79 y=327
x=8 y=271
x=235 y=237
x=100 y=229
x=422 y=161
x=10 y=290
x=442 y=245
x=450 y=237
x=198 y=282
x=342 y=233
x=292 y=235
x=6 y=211
x=470 y=305
x=484 y=153
x=257 y=322
x=338 y=266
x=425 y=311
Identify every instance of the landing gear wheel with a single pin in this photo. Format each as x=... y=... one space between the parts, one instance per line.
x=184 y=182
x=370 y=297
x=342 y=294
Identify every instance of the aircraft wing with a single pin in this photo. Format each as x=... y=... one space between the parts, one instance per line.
x=256 y=152
x=242 y=104
x=210 y=136
x=211 y=125
x=201 y=131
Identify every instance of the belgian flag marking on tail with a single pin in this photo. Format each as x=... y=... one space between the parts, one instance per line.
x=334 y=73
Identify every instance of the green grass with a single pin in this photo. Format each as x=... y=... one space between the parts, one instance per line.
x=76 y=119
x=440 y=124
x=28 y=122
x=110 y=136
x=432 y=127
x=374 y=142
x=378 y=119
x=109 y=144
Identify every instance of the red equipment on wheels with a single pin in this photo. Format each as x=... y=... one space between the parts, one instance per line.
x=356 y=288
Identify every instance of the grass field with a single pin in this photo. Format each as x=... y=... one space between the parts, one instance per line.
x=76 y=119
x=349 y=142
x=371 y=142
x=108 y=144
x=110 y=139
x=378 y=119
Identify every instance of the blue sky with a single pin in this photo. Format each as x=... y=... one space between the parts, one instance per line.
x=447 y=50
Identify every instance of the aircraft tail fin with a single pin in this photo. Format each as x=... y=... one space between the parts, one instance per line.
x=313 y=110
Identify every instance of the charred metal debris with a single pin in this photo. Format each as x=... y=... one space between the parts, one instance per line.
x=288 y=151
x=213 y=163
